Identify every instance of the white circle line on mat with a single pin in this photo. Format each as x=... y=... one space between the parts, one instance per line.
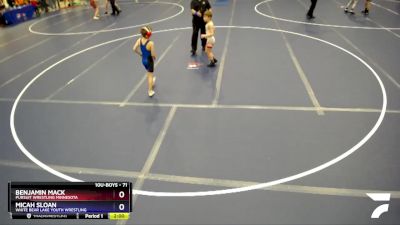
x=213 y=192
x=182 y=9
x=318 y=24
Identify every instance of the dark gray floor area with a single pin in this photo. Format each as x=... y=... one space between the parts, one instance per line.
x=256 y=207
x=252 y=119
x=253 y=146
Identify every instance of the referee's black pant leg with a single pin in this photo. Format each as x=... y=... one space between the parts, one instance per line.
x=203 y=31
x=312 y=7
x=113 y=7
x=195 y=36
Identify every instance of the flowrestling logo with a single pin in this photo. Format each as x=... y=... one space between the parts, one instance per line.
x=379 y=197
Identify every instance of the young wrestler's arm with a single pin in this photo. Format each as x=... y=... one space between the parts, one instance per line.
x=136 y=48
x=153 y=51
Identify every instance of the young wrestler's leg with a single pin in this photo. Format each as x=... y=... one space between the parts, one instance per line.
x=367 y=7
x=96 y=14
x=94 y=5
x=106 y=6
x=368 y=4
x=150 y=80
x=210 y=54
x=150 y=76
x=351 y=4
x=213 y=59
x=150 y=83
x=119 y=8
x=354 y=4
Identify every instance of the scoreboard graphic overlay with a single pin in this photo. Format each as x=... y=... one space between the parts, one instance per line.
x=66 y=200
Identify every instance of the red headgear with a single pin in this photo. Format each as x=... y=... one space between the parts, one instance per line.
x=148 y=30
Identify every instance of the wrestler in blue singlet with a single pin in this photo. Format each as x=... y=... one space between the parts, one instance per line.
x=147 y=59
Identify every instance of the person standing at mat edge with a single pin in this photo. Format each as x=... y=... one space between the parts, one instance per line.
x=148 y=55
x=94 y=5
x=115 y=9
x=198 y=8
x=114 y=6
x=310 y=13
x=352 y=3
x=209 y=36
